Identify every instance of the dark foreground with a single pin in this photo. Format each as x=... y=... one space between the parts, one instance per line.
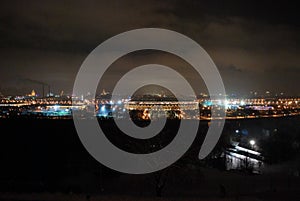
x=45 y=160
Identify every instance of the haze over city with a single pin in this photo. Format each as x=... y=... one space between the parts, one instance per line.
x=254 y=45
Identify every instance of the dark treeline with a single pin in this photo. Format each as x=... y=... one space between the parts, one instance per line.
x=47 y=155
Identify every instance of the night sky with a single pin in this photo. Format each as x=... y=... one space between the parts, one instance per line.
x=255 y=45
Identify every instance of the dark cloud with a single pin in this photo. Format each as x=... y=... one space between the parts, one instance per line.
x=253 y=43
x=231 y=68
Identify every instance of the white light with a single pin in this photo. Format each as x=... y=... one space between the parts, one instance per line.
x=226 y=103
x=252 y=142
x=237 y=131
x=242 y=157
x=55 y=107
x=247 y=150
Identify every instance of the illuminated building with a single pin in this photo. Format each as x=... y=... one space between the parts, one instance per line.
x=33 y=93
x=104 y=111
x=240 y=158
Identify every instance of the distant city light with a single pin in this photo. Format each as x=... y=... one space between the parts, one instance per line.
x=55 y=107
x=236 y=108
x=226 y=103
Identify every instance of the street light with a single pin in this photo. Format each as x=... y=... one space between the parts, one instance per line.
x=252 y=142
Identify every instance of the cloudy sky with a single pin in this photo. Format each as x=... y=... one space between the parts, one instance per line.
x=255 y=45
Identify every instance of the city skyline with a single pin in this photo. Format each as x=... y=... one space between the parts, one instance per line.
x=40 y=93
